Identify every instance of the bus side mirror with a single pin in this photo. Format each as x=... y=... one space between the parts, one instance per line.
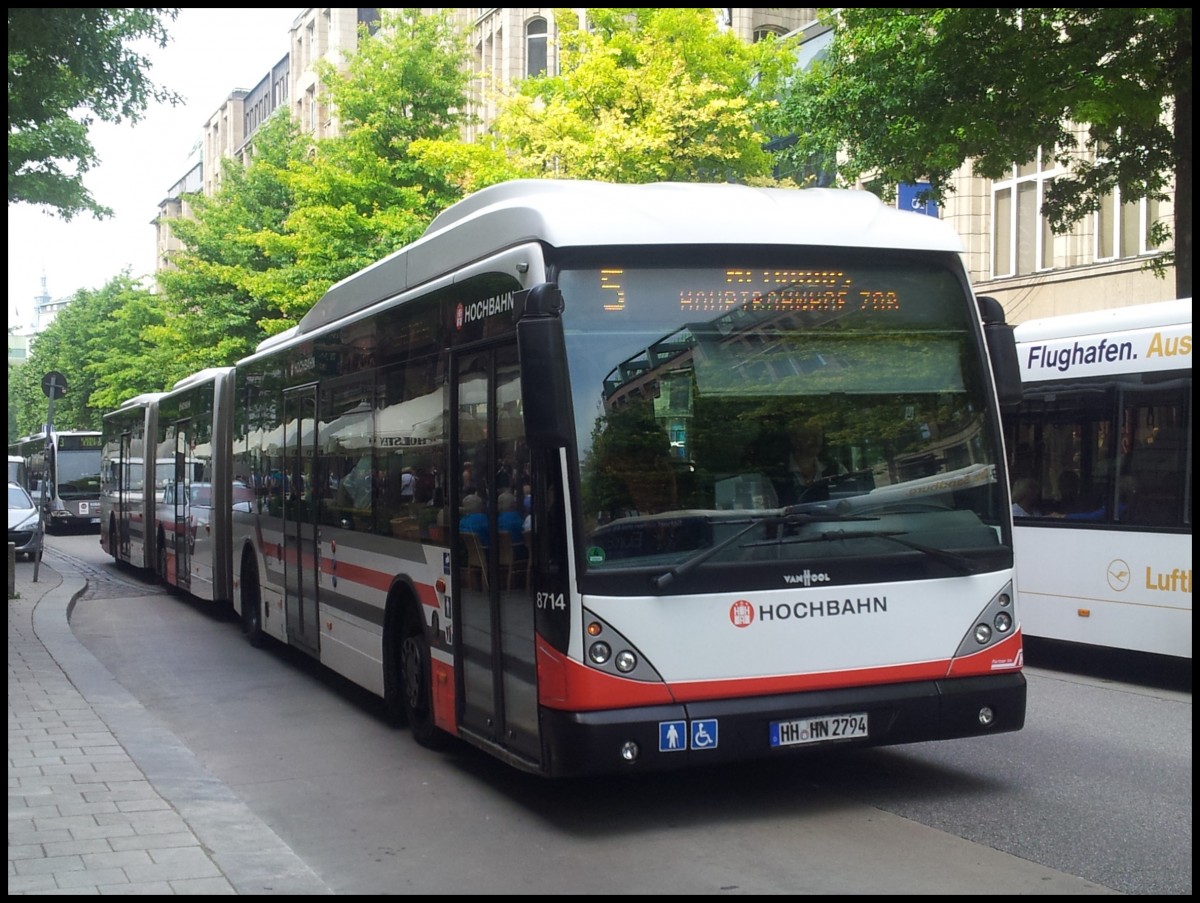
x=545 y=385
x=1002 y=349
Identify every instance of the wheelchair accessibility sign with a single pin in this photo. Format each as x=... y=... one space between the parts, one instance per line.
x=675 y=736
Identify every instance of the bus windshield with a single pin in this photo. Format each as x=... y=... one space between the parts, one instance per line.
x=78 y=472
x=837 y=403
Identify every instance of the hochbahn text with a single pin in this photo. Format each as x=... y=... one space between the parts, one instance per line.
x=617 y=478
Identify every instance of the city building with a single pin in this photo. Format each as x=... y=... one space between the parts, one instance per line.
x=1011 y=253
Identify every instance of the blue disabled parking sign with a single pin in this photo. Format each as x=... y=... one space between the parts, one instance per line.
x=704 y=734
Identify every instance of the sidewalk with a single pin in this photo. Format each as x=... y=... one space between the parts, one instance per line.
x=102 y=798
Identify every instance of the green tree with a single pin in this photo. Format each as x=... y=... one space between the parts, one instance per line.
x=67 y=68
x=364 y=195
x=304 y=214
x=912 y=94
x=234 y=281
x=97 y=342
x=646 y=95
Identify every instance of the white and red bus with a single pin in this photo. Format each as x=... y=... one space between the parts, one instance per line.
x=530 y=479
x=1105 y=431
x=127 y=484
x=167 y=459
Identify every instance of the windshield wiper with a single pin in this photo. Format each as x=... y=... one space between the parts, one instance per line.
x=959 y=563
x=786 y=517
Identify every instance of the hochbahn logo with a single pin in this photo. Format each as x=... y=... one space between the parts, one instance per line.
x=743 y=613
x=479 y=310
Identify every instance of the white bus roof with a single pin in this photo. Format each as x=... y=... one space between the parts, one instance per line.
x=1117 y=319
x=202 y=377
x=137 y=401
x=568 y=214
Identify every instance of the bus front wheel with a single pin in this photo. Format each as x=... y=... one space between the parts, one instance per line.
x=416 y=674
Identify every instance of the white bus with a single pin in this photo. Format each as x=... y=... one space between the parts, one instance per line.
x=166 y=459
x=127 y=484
x=63 y=476
x=530 y=479
x=1105 y=433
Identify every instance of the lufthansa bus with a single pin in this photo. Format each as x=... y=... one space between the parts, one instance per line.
x=1104 y=432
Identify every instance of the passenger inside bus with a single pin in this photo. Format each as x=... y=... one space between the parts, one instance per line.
x=509 y=521
x=474 y=519
x=1026 y=498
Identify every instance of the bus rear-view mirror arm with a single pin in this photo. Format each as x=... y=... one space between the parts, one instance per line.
x=1002 y=349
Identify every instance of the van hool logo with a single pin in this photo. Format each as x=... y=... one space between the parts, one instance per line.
x=808 y=578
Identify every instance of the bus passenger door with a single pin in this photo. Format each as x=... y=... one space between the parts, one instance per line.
x=301 y=557
x=182 y=528
x=124 y=506
x=494 y=634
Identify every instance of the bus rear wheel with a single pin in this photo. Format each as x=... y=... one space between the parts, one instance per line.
x=251 y=606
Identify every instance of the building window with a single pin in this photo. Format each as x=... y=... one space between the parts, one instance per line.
x=1123 y=229
x=1022 y=242
x=370 y=18
x=535 y=48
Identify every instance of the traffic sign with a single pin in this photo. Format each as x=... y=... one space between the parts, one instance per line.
x=54 y=384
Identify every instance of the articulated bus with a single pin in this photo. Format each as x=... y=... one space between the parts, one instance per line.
x=63 y=476
x=166 y=462
x=126 y=484
x=538 y=480
x=1105 y=433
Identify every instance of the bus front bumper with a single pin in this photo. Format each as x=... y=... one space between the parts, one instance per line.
x=659 y=738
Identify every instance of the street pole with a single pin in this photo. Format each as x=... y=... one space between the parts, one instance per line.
x=54 y=385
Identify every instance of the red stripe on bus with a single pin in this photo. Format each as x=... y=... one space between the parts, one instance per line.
x=570 y=685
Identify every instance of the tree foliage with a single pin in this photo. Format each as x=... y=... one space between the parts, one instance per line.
x=646 y=95
x=230 y=285
x=911 y=94
x=97 y=342
x=67 y=68
x=304 y=214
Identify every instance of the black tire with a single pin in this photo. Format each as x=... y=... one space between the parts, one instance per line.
x=416 y=675
x=251 y=607
x=160 y=564
x=393 y=680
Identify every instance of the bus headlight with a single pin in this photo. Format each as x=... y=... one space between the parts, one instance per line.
x=599 y=653
x=626 y=661
x=1003 y=622
x=983 y=633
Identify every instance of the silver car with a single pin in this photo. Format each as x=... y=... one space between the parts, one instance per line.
x=23 y=521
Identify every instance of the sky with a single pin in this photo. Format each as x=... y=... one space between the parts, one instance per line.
x=212 y=52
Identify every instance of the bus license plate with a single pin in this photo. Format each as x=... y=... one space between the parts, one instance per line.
x=818 y=730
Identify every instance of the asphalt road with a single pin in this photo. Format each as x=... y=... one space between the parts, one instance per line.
x=1092 y=797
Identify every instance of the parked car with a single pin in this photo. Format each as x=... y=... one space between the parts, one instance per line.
x=23 y=517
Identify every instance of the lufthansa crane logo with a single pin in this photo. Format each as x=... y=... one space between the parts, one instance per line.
x=1118 y=575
